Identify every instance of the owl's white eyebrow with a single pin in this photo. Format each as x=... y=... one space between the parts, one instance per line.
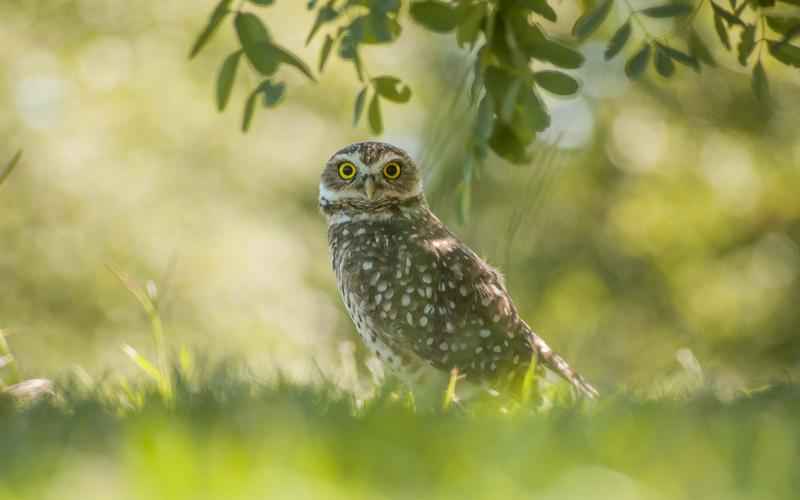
x=345 y=156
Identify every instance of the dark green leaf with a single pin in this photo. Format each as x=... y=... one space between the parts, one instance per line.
x=664 y=64
x=273 y=92
x=391 y=88
x=534 y=43
x=668 y=10
x=699 y=51
x=255 y=41
x=746 y=44
x=785 y=53
x=760 y=82
x=219 y=13
x=227 y=75
x=783 y=24
x=540 y=7
x=249 y=109
x=556 y=82
x=436 y=16
x=792 y=2
x=250 y=29
x=10 y=166
x=263 y=3
x=359 y=107
x=311 y=4
x=730 y=18
x=468 y=30
x=325 y=52
x=590 y=21
x=638 y=62
x=559 y=55
x=722 y=32
x=506 y=144
x=287 y=57
x=618 y=40
x=374 y=115
x=325 y=15
x=374 y=28
x=678 y=56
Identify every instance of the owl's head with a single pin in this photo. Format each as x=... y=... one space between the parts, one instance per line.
x=369 y=172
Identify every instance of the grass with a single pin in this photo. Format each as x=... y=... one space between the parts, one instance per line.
x=205 y=431
x=218 y=433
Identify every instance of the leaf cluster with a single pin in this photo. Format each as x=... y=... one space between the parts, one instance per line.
x=517 y=58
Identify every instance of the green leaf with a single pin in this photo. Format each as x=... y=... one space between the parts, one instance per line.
x=255 y=41
x=559 y=55
x=249 y=109
x=273 y=92
x=227 y=75
x=374 y=28
x=668 y=10
x=391 y=88
x=618 y=40
x=436 y=16
x=789 y=27
x=730 y=18
x=792 y=2
x=327 y=45
x=760 y=83
x=678 y=56
x=722 y=32
x=506 y=144
x=287 y=57
x=374 y=115
x=785 y=53
x=250 y=29
x=699 y=51
x=359 y=107
x=782 y=24
x=590 y=21
x=556 y=82
x=10 y=166
x=534 y=43
x=663 y=63
x=540 y=7
x=217 y=16
x=638 y=62
x=262 y=3
x=747 y=43
x=468 y=30
x=325 y=15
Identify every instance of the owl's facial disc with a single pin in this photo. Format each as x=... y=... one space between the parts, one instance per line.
x=370 y=172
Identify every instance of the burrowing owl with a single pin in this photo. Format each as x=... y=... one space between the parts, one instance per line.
x=415 y=292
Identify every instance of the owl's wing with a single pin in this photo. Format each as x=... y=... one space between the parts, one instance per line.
x=471 y=320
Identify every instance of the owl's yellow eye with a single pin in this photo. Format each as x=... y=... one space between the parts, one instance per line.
x=391 y=170
x=347 y=170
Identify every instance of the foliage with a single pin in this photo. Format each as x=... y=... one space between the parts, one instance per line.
x=509 y=40
x=227 y=436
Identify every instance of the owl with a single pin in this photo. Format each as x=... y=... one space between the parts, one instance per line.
x=418 y=295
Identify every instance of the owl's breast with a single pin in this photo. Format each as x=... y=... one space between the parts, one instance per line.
x=372 y=265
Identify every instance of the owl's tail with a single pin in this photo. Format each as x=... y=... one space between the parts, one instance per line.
x=556 y=363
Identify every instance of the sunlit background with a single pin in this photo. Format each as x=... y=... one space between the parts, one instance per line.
x=661 y=234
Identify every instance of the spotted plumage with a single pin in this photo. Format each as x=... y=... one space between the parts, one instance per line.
x=415 y=292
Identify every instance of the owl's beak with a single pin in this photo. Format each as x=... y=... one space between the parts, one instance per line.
x=369 y=187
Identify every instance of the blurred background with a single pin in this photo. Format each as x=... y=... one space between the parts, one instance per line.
x=658 y=230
